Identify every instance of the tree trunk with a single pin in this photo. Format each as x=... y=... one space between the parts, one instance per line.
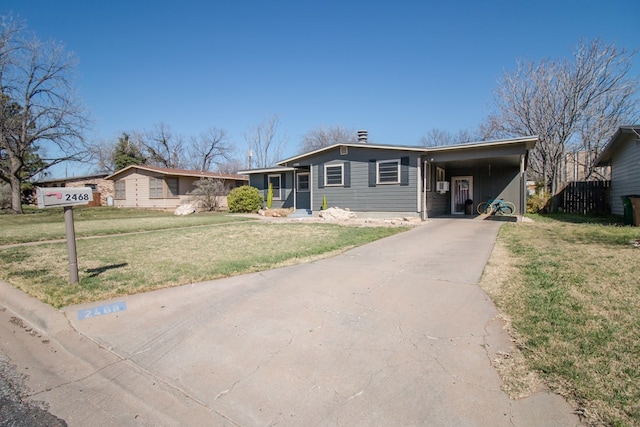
x=16 y=195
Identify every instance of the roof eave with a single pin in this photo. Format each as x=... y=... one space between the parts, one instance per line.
x=604 y=159
x=529 y=141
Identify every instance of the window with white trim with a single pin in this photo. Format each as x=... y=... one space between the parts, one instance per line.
x=333 y=175
x=388 y=172
x=274 y=180
x=303 y=181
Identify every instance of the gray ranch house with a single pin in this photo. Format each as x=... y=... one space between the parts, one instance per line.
x=622 y=153
x=373 y=179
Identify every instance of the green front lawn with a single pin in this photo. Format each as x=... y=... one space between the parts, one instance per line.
x=572 y=292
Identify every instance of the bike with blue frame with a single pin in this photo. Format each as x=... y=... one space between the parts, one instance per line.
x=496 y=206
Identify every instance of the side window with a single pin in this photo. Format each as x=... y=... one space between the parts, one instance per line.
x=120 y=189
x=274 y=180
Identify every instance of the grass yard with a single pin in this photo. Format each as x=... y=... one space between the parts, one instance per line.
x=197 y=248
x=48 y=224
x=572 y=293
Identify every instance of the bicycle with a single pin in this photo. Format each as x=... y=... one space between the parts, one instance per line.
x=496 y=206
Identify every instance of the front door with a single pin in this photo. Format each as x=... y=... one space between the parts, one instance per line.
x=461 y=191
x=303 y=190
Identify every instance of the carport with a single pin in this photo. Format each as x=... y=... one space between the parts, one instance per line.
x=476 y=172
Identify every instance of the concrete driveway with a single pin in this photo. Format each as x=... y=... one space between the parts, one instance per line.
x=395 y=332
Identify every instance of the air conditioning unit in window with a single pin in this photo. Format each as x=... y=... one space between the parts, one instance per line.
x=442 y=186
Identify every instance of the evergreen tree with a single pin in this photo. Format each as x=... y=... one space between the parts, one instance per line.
x=127 y=153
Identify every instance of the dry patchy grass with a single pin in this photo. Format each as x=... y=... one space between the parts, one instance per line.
x=572 y=294
x=48 y=224
x=119 y=265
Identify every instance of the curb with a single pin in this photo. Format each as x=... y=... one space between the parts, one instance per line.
x=42 y=316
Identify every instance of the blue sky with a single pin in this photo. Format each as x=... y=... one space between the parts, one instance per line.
x=397 y=69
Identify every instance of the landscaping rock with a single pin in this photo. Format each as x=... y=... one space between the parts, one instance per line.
x=185 y=209
x=275 y=213
x=337 y=214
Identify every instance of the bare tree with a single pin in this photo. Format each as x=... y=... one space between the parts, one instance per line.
x=101 y=154
x=39 y=112
x=209 y=193
x=556 y=100
x=438 y=137
x=615 y=108
x=162 y=147
x=231 y=166
x=323 y=137
x=208 y=149
x=264 y=144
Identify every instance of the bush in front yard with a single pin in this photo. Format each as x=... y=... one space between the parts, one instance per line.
x=538 y=203
x=244 y=199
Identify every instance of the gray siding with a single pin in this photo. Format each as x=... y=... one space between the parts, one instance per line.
x=286 y=182
x=501 y=183
x=625 y=173
x=357 y=195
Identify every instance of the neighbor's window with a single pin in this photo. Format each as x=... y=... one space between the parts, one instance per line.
x=274 y=180
x=121 y=189
x=155 y=187
x=388 y=172
x=303 y=182
x=172 y=187
x=333 y=175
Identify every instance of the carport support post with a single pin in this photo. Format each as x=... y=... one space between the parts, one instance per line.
x=71 y=244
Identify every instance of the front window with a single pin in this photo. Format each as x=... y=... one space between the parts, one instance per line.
x=388 y=172
x=333 y=175
x=303 y=182
x=155 y=187
x=172 y=187
x=274 y=180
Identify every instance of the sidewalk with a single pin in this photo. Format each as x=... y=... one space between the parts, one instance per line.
x=395 y=332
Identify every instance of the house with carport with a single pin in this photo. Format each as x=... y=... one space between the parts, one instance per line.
x=375 y=179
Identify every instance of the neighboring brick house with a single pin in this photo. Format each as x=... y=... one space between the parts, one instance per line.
x=103 y=189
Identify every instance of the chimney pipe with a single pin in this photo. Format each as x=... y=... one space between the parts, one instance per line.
x=362 y=136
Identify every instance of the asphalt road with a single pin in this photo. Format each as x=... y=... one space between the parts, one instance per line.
x=15 y=409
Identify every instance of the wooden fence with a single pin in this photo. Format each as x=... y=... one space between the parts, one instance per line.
x=586 y=197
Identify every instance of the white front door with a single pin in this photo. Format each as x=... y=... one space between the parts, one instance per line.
x=461 y=191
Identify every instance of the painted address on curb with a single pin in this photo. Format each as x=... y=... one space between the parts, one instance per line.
x=102 y=310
